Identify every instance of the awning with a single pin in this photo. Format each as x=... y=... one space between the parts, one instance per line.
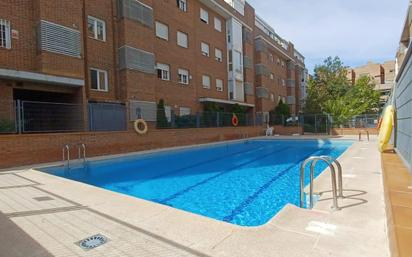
x=40 y=78
x=221 y=101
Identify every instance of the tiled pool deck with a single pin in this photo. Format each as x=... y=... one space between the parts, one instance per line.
x=57 y=213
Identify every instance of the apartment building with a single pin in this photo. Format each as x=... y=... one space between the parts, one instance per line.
x=383 y=75
x=104 y=62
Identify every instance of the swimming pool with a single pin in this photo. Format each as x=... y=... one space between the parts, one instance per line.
x=244 y=183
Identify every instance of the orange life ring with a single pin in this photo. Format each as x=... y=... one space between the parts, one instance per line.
x=235 y=120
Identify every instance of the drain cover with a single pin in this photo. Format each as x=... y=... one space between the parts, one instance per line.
x=92 y=242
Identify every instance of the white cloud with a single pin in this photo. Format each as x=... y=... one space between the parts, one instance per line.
x=355 y=30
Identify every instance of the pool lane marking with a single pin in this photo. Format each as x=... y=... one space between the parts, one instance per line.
x=252 y=197
x=177 y=194
x=193 y=166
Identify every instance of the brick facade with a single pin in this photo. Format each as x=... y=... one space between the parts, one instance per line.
x=125 y=85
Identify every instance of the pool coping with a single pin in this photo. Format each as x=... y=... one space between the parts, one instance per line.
x=177 y=148
x=64 y=188
x=196 y=146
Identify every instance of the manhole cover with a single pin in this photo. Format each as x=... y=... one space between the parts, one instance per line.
x=92 y=242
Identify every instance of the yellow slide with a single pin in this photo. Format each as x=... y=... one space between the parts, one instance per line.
x=385 y=131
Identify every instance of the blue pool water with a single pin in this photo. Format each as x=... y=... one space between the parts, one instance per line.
x=244 y=183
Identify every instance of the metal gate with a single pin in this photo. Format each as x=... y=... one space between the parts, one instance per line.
x=107 y=117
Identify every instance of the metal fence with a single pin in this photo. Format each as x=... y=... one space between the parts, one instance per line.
x=402 y=97
x=40 y=117
x=7 y=117
x=323 y=123
x=107 y=117
x=206 y=120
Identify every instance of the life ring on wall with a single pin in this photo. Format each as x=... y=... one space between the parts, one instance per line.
x=235 y=120
x=138 y=124
x=385 y=132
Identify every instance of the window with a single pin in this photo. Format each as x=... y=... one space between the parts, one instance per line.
x=183 y=76
x=218 y=24
x=283 y=64
x=96 y=28
x=204 y=16
x=283 y=82
x=272 y=77
x=99 y=80
x=272 y=97
x=183 y=111
x=182 y=39
x=206 y=81
x=218 y=55
x=162 y=30
x=271 y=58
x=278 y=61
x=182 y=5
x=5 y=37
x=205 y=49
x=219 y=85
x=163 y=71
x=237 y=61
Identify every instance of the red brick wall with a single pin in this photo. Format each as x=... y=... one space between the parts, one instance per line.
x=354 y=131
x=287 y=131
x=18 y=150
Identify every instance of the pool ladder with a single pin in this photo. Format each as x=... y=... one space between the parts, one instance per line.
x=81 y=154
x=337 y=192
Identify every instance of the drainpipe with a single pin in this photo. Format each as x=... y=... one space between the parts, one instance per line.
x=115 y=47
x=86 y=67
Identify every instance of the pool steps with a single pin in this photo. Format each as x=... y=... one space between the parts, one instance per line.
x=81 y=154
x=337 y=192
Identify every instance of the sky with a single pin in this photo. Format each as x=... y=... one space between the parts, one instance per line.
x=357 y=31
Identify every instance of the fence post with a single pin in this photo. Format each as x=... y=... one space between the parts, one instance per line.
x=217 y=119
x=19 y=120
x=197 y=120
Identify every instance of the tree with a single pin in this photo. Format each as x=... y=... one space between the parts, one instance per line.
x=360 y=99
x=365 y=95
x=161 y=121
x=280 y=113
x=282 y=109
x=330 y=92
x=329 y=82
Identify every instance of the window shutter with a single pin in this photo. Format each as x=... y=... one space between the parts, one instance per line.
x=59 y=39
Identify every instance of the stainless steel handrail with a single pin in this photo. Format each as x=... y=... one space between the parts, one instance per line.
x=360 y=134
x=82 y=149
x=340 y=180
x=313 y=160
x=66 y=148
